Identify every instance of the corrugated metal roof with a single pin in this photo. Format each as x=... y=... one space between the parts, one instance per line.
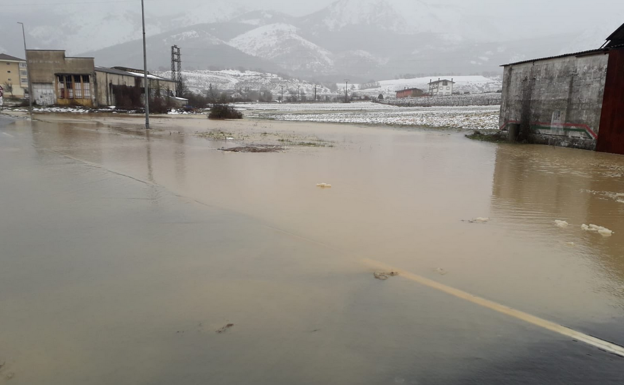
x=4 y=56
x=116 y=71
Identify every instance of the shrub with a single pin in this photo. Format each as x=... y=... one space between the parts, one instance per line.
x=223 y=111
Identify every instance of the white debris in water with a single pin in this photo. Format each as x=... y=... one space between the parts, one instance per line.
x=562 y=224
x=230 y=138
x=324 y=185
x=598 y=229
x=571 y=244
x=481 y=220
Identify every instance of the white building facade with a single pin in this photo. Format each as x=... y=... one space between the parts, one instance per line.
x=441 y=87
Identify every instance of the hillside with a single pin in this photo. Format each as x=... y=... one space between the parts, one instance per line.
x=231 y=80
x=281 y=44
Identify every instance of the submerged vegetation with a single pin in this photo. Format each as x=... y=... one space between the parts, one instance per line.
x=223 y=111
x=494 y=137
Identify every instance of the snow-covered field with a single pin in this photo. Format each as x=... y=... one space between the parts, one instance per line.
x=469 y=118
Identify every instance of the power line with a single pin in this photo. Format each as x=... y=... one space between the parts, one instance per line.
x=75 y=3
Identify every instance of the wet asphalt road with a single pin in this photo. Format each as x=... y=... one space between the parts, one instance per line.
x=111 y=278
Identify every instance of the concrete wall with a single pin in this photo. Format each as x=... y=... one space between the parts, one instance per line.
x=556 y=101
x=44 y=67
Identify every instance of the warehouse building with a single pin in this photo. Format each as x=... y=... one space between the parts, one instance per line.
x=76 y=81
x=574 y=100
x=112 y=81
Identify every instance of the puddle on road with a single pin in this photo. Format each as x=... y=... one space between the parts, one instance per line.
x=400 y=197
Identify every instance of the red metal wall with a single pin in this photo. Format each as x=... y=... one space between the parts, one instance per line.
x=611 y=135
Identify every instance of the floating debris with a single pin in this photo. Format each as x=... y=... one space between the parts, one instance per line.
x=477 y=220
x=382 y=276
x=598 y=229
x=254 y=149
x=225 y=328
x=562 y=224
x=324 y=185
x=441 y=271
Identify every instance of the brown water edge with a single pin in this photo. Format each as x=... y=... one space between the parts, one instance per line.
x=400 y=197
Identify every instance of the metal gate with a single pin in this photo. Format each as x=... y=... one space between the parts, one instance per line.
x=611 y=134
x=44 y=94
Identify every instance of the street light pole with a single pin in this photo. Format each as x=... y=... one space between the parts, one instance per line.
x=145 y=79
x=30 y=93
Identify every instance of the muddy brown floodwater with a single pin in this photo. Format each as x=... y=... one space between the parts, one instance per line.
x=124 y=254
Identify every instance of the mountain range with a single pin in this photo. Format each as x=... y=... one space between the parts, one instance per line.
x=355 y=39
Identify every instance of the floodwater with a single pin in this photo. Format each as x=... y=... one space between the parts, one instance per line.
x=123 y=254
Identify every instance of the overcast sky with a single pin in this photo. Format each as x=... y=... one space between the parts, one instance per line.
x=521 y=18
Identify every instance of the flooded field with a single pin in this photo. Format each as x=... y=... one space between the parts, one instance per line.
x=133 y=258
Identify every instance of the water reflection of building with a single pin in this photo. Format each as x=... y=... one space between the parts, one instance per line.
x=535 y=185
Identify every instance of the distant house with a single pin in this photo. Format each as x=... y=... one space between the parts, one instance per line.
x=572 y=100
x=441 y=87
x=13 y=73
x=409 y=93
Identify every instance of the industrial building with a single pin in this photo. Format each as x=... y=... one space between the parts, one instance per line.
x=61 y=80
x=409 y=93
x=574 y=100
x=108 y=80
x=13 y=76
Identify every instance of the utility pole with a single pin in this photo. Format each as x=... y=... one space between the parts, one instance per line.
x=346 y=91
x=176 y=69
x=298 y=94
x=282 y=100
x=30 y=92
x=315 y=92
x=145 y=79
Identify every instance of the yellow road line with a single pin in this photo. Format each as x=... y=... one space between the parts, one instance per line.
x=600 y=344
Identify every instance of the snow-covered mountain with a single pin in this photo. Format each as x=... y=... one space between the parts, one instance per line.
x=342 y=14
x=263 y=17
x=356 y=39
x=281 y=44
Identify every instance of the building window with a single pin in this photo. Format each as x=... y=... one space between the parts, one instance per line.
x=445 y=83
x=73 y=86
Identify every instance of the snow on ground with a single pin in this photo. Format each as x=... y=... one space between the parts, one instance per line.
x=470 y=118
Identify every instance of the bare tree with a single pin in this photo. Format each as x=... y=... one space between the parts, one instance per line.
x=8 y=87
